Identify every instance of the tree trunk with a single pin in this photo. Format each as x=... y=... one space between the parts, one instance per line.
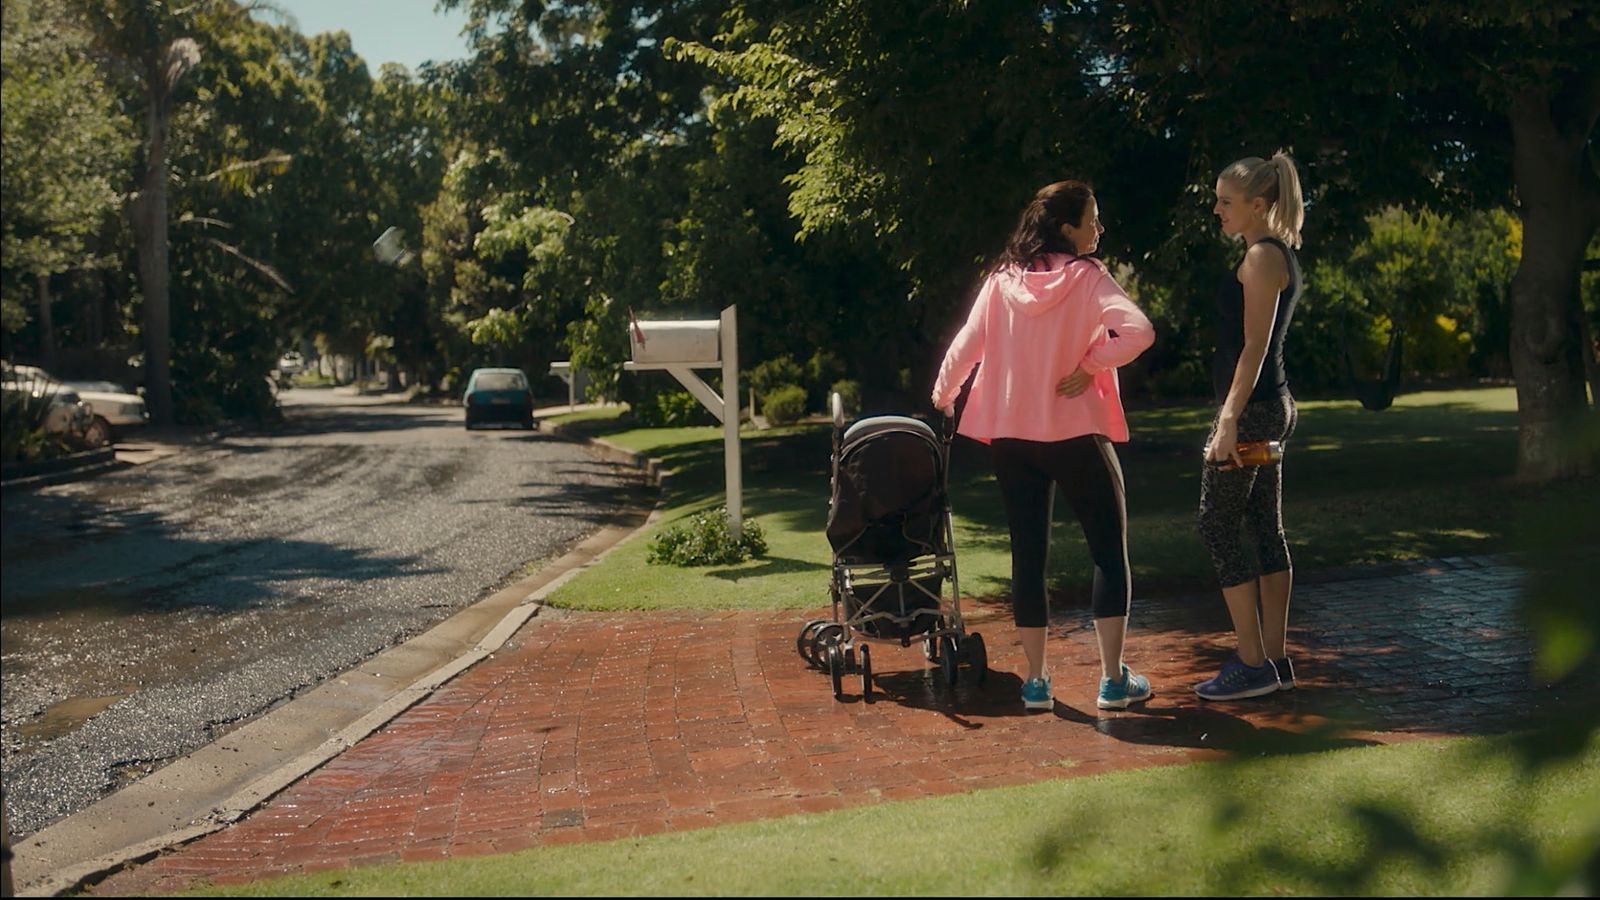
x=1560 y=207
x=1591 y=359
x=94 y=320
x=149 y=222
x=47 y=327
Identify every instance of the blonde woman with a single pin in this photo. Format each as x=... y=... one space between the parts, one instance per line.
x=1258 y=202
x=1050 y=327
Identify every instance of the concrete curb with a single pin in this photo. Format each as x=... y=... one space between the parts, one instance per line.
x=24 y=476
x=89 y=845
x=63 y=477
x=88 y=463
x=653 y=468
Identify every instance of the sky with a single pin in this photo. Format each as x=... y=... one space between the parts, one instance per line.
x=402 y=31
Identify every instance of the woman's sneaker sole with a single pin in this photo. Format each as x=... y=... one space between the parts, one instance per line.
x=1241 y=695
x=1126 y=700
x=1123 y=703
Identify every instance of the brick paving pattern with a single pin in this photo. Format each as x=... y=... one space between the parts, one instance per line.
x=589 y=726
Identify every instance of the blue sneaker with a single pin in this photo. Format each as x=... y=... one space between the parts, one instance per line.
x=1285 y=673
x=1036 y=694
x=1130 y=688
x=1237 y=681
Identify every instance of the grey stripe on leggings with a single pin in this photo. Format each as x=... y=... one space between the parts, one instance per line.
x=1090 y=477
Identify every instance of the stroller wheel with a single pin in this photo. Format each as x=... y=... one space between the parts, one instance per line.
x=835 y=656
x=977 y=657
x=866 y=673
x=806 y=642
x=948 y=660
x=819 y=642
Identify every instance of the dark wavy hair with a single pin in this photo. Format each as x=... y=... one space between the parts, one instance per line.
x=1039 y=230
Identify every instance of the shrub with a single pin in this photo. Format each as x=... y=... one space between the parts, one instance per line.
x=22 y=440
x=822 y=369
x=659 y=406
x=706 y=540
x=24 y=407
x=784 y=404
x=678 y=409
x=775 y=373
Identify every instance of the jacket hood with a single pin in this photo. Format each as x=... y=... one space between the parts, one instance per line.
x=1036 y=292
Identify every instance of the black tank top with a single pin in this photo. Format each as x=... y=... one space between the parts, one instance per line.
x=1273 y=380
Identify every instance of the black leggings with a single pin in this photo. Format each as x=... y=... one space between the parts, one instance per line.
x=1090 y=476
x=1251 y=496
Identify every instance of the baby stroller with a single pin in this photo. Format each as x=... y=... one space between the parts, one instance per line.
x=889 y=526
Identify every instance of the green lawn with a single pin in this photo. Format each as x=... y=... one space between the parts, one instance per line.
x=1429 y=477
x=1453 y=817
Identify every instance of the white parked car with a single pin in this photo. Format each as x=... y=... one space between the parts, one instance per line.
x=117 y=410
x=69 y=415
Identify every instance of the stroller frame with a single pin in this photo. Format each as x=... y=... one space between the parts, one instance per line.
x=835 y=644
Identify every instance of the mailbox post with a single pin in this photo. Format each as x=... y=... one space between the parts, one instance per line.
x=680 y=348
x=565 y=372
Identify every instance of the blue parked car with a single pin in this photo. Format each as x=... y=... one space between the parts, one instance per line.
x=498 y=395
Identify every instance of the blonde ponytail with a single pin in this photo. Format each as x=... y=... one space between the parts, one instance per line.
x=1277 y=182
x=1288 y=212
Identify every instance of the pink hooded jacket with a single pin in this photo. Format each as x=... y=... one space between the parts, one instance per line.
x=1030 y=329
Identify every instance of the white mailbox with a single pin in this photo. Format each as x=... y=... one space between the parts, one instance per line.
x=666 y=343
x=682 y=347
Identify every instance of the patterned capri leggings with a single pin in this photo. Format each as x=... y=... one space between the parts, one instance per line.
x=1251 y=496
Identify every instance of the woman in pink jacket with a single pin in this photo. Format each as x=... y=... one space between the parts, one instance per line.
x=1050 y=327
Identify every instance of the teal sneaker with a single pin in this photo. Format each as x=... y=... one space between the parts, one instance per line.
x=1036 y=694
x=1130 y=688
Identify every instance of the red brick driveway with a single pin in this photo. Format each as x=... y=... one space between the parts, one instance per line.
x=593 y=726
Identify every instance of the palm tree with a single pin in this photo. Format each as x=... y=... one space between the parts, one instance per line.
x=153 y=44
x=150 y=42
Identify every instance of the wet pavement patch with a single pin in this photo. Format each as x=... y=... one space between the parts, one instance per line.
x=66 y=716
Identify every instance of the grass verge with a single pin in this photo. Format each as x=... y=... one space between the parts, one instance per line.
x=1465 y=816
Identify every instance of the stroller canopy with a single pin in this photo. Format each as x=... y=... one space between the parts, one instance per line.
x=888 y=492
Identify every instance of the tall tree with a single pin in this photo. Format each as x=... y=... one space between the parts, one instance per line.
x=153 y=43
x=1444 y=103
x=674 y=200
x=402 y=135
x=62 y=151
x=568 y=109
x=917 y=132
x=1449 y=104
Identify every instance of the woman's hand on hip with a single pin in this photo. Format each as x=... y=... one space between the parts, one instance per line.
x=1074 y=384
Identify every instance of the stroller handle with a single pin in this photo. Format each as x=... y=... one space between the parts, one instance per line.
x=836 y=406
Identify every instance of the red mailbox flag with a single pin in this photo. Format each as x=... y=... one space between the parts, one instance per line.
x=638 y=333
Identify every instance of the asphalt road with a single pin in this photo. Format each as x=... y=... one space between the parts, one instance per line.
x=148 y=611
